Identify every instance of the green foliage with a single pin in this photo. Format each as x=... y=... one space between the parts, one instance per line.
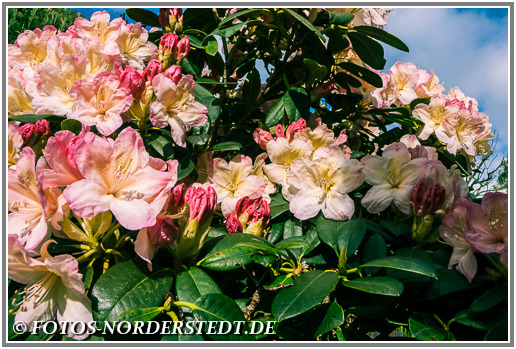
x=21 y=19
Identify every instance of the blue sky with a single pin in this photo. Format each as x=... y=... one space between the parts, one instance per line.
x=466 y=47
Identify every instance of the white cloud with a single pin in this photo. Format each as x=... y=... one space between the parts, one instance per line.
x=466 y=49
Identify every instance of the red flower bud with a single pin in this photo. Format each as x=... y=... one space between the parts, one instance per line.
x=42 y=128
x=262 y=138
x=174 y=73
x=183 y=48
x=202 y=203
x=242 y=205
x=427 y=200
x=294 y=128
x=153 y=68
x=279 y=131
x=163 y=233
x=26 y=132
x=233 y=225
x=134 y=81
x=176 y=198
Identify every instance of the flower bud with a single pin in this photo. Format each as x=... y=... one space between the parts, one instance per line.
x=202 y=203
x=262 y=138
x=153 y=68
x=134 y=81
x=171 y=19
x=294 y=128
x=174 y=73
x=163 y=233
x=183 y=48
x=28 y=134
x=279 y=131
x=172 y=50
x=233 y=225
x=176 y=198
x=427 y=200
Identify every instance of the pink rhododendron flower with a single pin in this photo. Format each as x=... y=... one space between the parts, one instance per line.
x=393 y=176
x=21 y=90
x=404 y=78
x=176 y=106
x=433 y=115
x=428 y=85
x=258 y=170
x=486 y=227
x=14 y=144
x=30 y=48
x=452 y=232
x=119 y=177
x=32 y=208
x=232 y=181
x=134 y=48
x=100 y=102
x=461 y=131
x=54 y=288
x=322 y=184
x=99 y=26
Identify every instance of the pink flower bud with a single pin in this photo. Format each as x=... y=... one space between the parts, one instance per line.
x=202 y=203
x=183 y=48
x=294 y=128
x=342 y=138
x=242 y=206
x=233 y=225
x=259 y=211
x=176 y=198
x=42 y=128
x=174 y=73
x=262 y=138
x=427 y=200
x=163 y=233
x=134 y=81
x=171 y=19
x=153 y=68
x=168 y=42
x=26 y=131
x=279 y=131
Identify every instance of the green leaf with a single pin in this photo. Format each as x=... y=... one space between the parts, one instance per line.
x=208 y=81
x=205 y=97
x=275 y=233
x=280 y=281
x=425 y=328
x=229 y=259
x=145 y=314
x=491 y=298
x=307 y=291
x=71 y=125
x=339 y=235
x=227 y=32
x=251 y=89
x=276 y=113
x=227 y=146
x=374 y=248
x=194 y=283
x=333 y=318
x=211 y=45
x=219 y=308
x=278 y=205
x=127 y=286
x=305 y=22
x=198 y=139
x=378 y=285
x=292 y=228
x=363 y=73
x=194 y=41
x=162 y=145
x=143 y=16
x=292 y=243
x=316 y=71
x=383 y=36
x=186 y=166
x=370 y=51
x=297 y=103
x=395 y=228
x=189 y=66
x=238 y=14
x=31 y=118
x=340 y=18
x=413 y=265
x=228 y=241
x=499 y=331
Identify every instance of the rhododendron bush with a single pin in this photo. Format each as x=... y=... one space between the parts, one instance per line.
x=247 y=165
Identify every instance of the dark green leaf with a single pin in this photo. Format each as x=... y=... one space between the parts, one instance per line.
x=339 y=235
x=292 y=243
x=316 y=72
x=71 y=125
x=374 y=248
x=222 y=310
x=211 y=45
x=143 y=16
x=227 y=32
x=308 y=290
x=383 y=36
x=213 y=82
x=280 y=281
x=144 y=314
x=425 y=328
x=297 y=103
x=251 y=89
x=278 y=205
x=198 y=139
x=499 y=331
x=370 y=51
x=194 y=283
x=334 y=317
x=413 y=265
x=395 y=228
x=305 y=22
x=378 y=285
x=363 y=73
x=194 y=41
x=229 y=259
x=227 y=146
x=238 y=14
x=340 y=18
x=190 y=66
x=186 y=166
x=126 y=286
x=491 y=298
x=276 y=113
x=31 y=118
x=293 y=228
